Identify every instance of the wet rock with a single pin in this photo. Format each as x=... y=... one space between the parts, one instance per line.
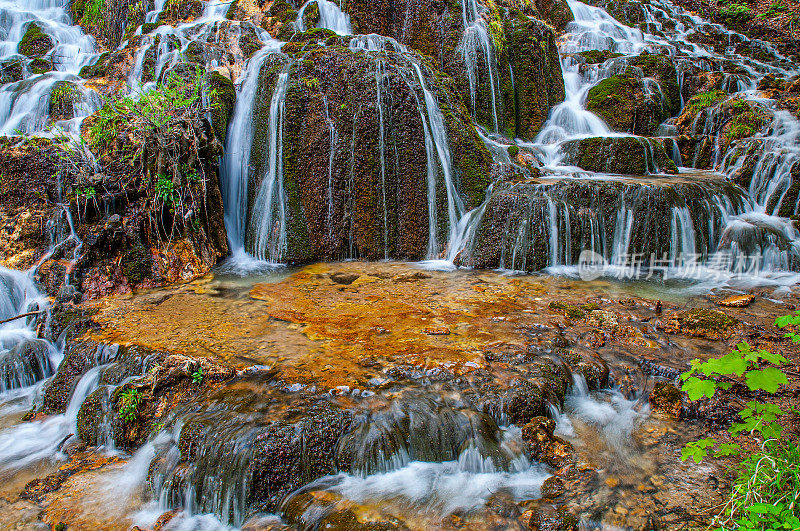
x=24 y=364
x=176 y=367
x=223 y=101
x=620 y=155
x=737 y=301
x=555 y=12
x=341 y=277
x=35 y=42
x=544 y=446
x=549 y=518
x=666 y=398
x=79 y=357
x=553 y=487
x=708 y=324
x=10 y=71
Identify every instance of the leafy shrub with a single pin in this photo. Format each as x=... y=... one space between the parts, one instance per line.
x=129 y=404
x=766 y=494
x=737 y=12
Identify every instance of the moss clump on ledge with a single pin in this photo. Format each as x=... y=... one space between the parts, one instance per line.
x=573 y=311
x=627 y=155
x=63 y=98
x=594 y=57
x=35 y=42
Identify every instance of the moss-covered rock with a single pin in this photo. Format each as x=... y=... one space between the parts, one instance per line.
x=640 y=98
x=352 y=197
x=708 y=324
x=63 y=98
x=176 y=11
x=223 y=102
x=40 y=65
x=619 y=155
x=594 y=57
x=555 y=12
x=35 y=42
x=515 y=230
x=10 y=71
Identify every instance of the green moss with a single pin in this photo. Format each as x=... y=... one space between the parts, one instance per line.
x=40 y=65
x=137 y=264
x=573 y=311
x=98 y=69
x=180 y=10
x=223 y=100
x=63 y=98
x=598 y=56
x=612 y=99
x=10 y=71
x=311 y=16
x=513 y=151
x=35 y=42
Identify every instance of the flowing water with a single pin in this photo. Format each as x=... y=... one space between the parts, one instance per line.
x=24 y=104
x=426 y=454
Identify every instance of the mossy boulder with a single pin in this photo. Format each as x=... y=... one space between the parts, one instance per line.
x=35 y=42
x=555 y=12
x=99 y=68
x=79 y=357
x=223 y=102
x=708 y=324
x=619 y=155
x=63 y=98
x=594 y=57
x=10 y=71
x=355 y=196
x=515 y=231
x=40 y=65
x=640 y=98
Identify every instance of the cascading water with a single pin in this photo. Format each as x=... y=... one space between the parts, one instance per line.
x=743 y=226
x=25 y=103
x=268 y=215
x=476 y=45
x=330 y=17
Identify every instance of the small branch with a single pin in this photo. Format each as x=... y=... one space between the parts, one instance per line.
x=20 y=316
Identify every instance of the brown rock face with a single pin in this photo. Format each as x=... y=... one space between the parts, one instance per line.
x=665 y=398
x=708 y=324
x=544 y=446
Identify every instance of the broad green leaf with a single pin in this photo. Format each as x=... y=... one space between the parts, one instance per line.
x=697 y=388
x=768 y=379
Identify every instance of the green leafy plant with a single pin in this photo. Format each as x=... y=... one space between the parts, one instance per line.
x=165 y=189
x=197 y=376
x=736 y=12
x=766 y=494
x=129 y=404
x=775 y=9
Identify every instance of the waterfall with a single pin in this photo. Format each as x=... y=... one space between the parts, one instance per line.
x=235 y=166
x=436 y=134
x=24 y=104
x=268 y=215
x=476 y=42
x=330 y=17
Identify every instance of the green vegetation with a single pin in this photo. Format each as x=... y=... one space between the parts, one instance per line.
x=700 y=101
x=161 y=134
x=775 y=9
x=129 y=404
x=736 y=12
x=35 y=42
x=766 y=494
x=197 y=376
x=573 y=311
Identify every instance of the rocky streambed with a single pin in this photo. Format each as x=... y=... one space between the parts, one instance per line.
x=380 y=396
